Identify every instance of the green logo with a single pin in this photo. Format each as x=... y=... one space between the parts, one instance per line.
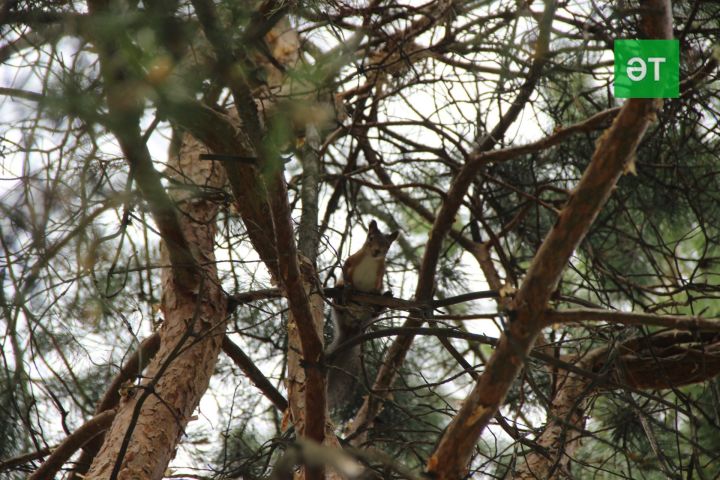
x=647 y=68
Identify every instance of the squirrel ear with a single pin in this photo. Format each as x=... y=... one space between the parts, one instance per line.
x=373 y=226
x=393 y=236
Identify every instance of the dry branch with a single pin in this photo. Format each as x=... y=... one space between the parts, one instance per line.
x=254 y=374
x=15 y=462
x=72 y=444
x=336 y=293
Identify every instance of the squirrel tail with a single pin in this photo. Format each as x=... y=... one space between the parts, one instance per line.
x=344 y=370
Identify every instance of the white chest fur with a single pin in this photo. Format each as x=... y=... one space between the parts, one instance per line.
x=365 y=273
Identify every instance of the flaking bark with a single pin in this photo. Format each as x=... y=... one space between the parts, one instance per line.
x=191 y=335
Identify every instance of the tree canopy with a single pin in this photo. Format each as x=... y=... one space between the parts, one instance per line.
x=182 y=181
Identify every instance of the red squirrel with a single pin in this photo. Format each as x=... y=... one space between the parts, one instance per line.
x=362 y=271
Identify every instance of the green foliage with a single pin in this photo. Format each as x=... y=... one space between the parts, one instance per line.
x=414 y=414
x=623 y=444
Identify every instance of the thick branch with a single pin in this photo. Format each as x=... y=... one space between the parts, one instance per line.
x=245 y=181
x=613 y=151
x=293 y=282
x=336 y=293
x=680 y=322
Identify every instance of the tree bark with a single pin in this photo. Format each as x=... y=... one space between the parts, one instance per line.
x=562 y=433
x=151 y=419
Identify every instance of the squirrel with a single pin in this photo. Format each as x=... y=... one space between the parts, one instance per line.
x=363 y=271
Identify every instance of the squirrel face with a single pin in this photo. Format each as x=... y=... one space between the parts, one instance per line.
x=378 y=243
x=364 y=269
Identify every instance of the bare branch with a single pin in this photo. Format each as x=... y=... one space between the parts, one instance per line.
x=680 y=322
x=254 y=374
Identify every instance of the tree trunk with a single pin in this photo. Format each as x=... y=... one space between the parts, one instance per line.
x=152 y=417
